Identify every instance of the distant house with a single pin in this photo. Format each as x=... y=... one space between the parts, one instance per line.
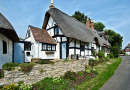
x=127 y=49
x=7 y=38
x=64 y=37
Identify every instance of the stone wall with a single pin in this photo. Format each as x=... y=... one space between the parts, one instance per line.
x=49 y=70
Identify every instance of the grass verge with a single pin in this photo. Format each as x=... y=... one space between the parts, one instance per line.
x=105 y=71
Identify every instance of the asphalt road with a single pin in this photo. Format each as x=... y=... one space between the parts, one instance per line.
x=121 y=78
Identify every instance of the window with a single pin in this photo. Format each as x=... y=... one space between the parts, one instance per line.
x=82 y=47
x=4 y=47
x=56 y=31
x=27 y=46
x=48 y=47
x=28 y=33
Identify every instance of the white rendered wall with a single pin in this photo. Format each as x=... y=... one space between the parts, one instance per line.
x=4 y=58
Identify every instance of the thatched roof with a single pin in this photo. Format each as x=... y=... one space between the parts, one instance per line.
x=7 y=29
x=41 y=35
x=71 y=27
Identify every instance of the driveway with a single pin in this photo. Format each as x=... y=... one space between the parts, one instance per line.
x=121 y=78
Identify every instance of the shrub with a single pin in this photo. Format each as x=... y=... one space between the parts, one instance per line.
x=56 y=80
x=96 y=60
x=107 y=58
x=110 y=55
x=95 y=72
x=9 y=66
x=26 y=87
x=45 y=62
x=26 y=67
x=88 y=70
x=10 y=87
x=1 y=73
x=65 y=60
x=115 y=51
x=101 y=54
x=70 y=75
x=87 y=77
x=80 y=73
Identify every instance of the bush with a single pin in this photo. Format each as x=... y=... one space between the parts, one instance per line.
x=101 y=54
x=110 y=55
x=115 y=51
x=45 y=62
x=26 y=67
x=96 y=60
x=1 y=73
x=70 y=75
x=9 y=66
x=80 y=73
x=88 y=70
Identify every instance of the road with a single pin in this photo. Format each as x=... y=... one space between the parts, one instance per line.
x=121 y=78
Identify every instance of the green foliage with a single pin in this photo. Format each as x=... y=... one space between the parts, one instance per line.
x=115 y=38
x=80 y=16
x=87 y=67
x=95 y=72
x=80 y=73
x=115 y=51
x=9 y=66
x=65 y=60
x=70 y=75
x=88 y=70
x=87 y=77
x=94 y=53
x=97 y=60
x=45 y=62
x=41 y=71
x=101 y=54
x=26 y=87
x=1 y=73
x=110 y=55
x=99 y=26
x=1 y=87
x=26 y=67
x=10 y=87
x=20 y=83
x=91 y=61
x=56 y=80
x=47 y=84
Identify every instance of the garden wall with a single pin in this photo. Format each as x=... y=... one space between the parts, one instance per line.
x=49 y=70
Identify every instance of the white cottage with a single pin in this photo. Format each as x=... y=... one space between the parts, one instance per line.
x=63 y=37
x=7 y=38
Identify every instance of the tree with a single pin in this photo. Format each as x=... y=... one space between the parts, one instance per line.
x=80 y=16
x=115 y=38
x=99 y=26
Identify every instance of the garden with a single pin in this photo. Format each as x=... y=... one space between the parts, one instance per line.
x=95 y=75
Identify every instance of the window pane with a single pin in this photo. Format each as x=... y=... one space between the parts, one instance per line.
x=27 y=46
x=53 y=47
x=44 y=46
x=56 y=30
x=82 y=47
x=49 y=47
x=4 y=47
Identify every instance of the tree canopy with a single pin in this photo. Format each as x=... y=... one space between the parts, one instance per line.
x=99 y=26
x=115 y=38
x=80 y=16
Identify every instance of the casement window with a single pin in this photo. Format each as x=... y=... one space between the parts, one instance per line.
x=4 y=47
x=56 y=30
x=82 y=47
x=27 y=46
x=48 y=47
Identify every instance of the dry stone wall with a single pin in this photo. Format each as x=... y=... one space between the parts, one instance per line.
x=49 y=70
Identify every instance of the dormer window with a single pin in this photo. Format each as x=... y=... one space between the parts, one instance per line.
x=56 y=30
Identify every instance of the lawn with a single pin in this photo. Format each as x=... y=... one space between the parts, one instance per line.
x=105 y=71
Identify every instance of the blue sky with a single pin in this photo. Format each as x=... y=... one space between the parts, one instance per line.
x=115 y=14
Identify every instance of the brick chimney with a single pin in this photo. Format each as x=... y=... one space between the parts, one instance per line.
x=87 y=23
x=92 y=24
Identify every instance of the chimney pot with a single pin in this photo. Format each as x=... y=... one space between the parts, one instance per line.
x=87 y=22
x=92 y=24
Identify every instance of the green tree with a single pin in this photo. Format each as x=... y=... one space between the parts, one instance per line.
x=80 y=16
x=99 y=26
x=115 y=38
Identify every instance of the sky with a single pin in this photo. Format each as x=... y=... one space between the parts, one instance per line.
x=114 y=14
